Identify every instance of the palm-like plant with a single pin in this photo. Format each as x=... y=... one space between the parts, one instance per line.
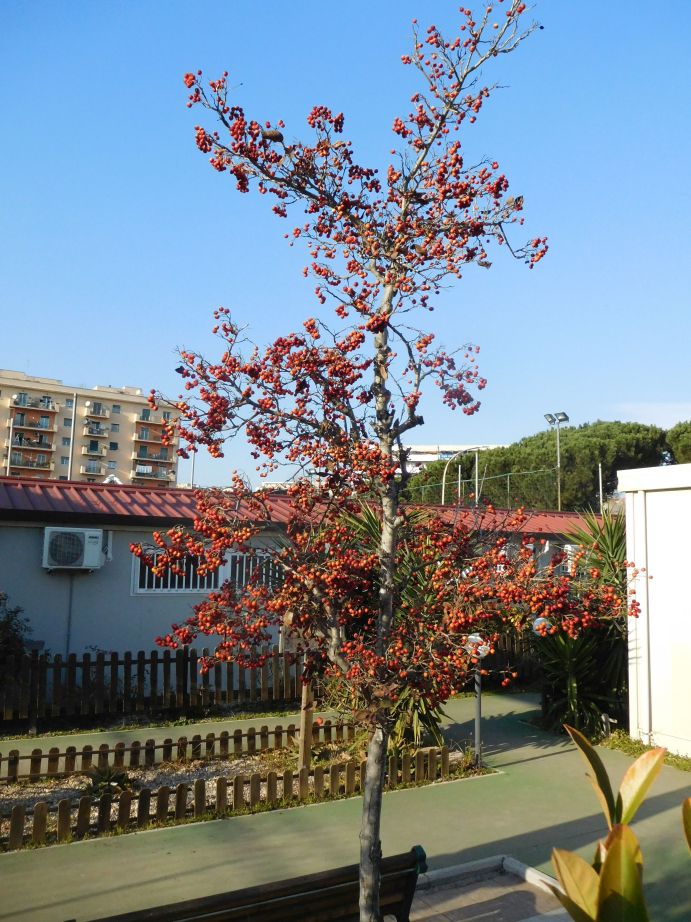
x=603 y=539
x=413 y=717
x=587 y=675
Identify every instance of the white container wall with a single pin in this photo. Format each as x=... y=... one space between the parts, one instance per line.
x=658 y=520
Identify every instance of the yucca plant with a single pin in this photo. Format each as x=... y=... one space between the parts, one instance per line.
x=586 y=676
x=603 y=539
x=575 y=690
x=413 y=717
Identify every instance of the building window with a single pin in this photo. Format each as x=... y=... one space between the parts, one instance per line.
x=166 y=415
x=115 y=427
x=144 y=433
x=66 y=441
x=67 y=422
x=112 y=465
x=62 y=477
x=69 y=402
x=116 y=408
x=146 y=414
x=113 y=446
x=187 y=581
x=64 y=460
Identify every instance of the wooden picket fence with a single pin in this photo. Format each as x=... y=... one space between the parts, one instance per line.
x=42 y=686
x=71 y=820
x=38 y=764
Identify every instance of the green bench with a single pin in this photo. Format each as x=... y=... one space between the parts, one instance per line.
x=330 y=896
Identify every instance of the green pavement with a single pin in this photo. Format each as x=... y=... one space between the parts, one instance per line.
x=538 y=799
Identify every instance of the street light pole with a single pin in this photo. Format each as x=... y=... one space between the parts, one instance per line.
x=555 y=419
x=477 y=449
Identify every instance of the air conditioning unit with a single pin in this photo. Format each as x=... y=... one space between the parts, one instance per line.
x=73 y=548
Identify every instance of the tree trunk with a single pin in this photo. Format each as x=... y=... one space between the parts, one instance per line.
x=370 y=843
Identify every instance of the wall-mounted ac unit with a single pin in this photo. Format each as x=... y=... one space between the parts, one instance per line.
x=73 y=548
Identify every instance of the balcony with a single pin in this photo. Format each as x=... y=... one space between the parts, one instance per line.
x=93 y=468
x=152 y=418
x=96 y=432
x=30 y=444
x=149 y=473
x=161 y=459
x=96 y=411
x=18 y=461
x=33 y=424
x=145 y=436
x=36 y=403
x=97 y=452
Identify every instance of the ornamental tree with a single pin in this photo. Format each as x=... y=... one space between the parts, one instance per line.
x=336 y=398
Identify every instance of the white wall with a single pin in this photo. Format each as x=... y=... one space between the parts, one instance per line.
x=658 y=514
x=97 y=609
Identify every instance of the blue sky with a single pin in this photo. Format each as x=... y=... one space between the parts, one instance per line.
x=117 y=240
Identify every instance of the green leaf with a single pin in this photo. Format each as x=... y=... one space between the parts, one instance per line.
x=620 y=896
x=579 y=880
x=600 y=779
x=686 y=820
x=572 y=908
x=636 y=781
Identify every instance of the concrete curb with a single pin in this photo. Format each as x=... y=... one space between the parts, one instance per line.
x=476 y=870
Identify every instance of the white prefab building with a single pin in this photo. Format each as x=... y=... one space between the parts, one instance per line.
x=658 y=512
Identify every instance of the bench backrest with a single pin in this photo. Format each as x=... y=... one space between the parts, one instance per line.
x=329 y=896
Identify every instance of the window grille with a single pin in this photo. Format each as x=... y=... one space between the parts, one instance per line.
x=239 y=568
x=189 y=581
x=242 y=566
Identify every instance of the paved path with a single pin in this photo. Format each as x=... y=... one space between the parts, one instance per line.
x=538 y=800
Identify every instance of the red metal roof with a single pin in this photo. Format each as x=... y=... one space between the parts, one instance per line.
x=536 y=522
x=27 y=499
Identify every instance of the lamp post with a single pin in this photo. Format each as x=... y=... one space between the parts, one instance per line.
x=478 y=647
x=556 y=419
x=463 y=451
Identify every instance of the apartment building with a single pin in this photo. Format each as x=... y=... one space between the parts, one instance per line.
x=57 y=432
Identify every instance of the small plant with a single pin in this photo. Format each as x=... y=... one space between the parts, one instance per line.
x=611 y=888
x=108 y=780
x=13 y=631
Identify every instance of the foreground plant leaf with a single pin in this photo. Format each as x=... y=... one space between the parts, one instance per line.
x=637 y=781
x=620 y=895
x=686 y=820
x=580 y=883
x=599 y=779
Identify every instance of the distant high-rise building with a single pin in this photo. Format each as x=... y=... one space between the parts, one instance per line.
x=57 y=432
